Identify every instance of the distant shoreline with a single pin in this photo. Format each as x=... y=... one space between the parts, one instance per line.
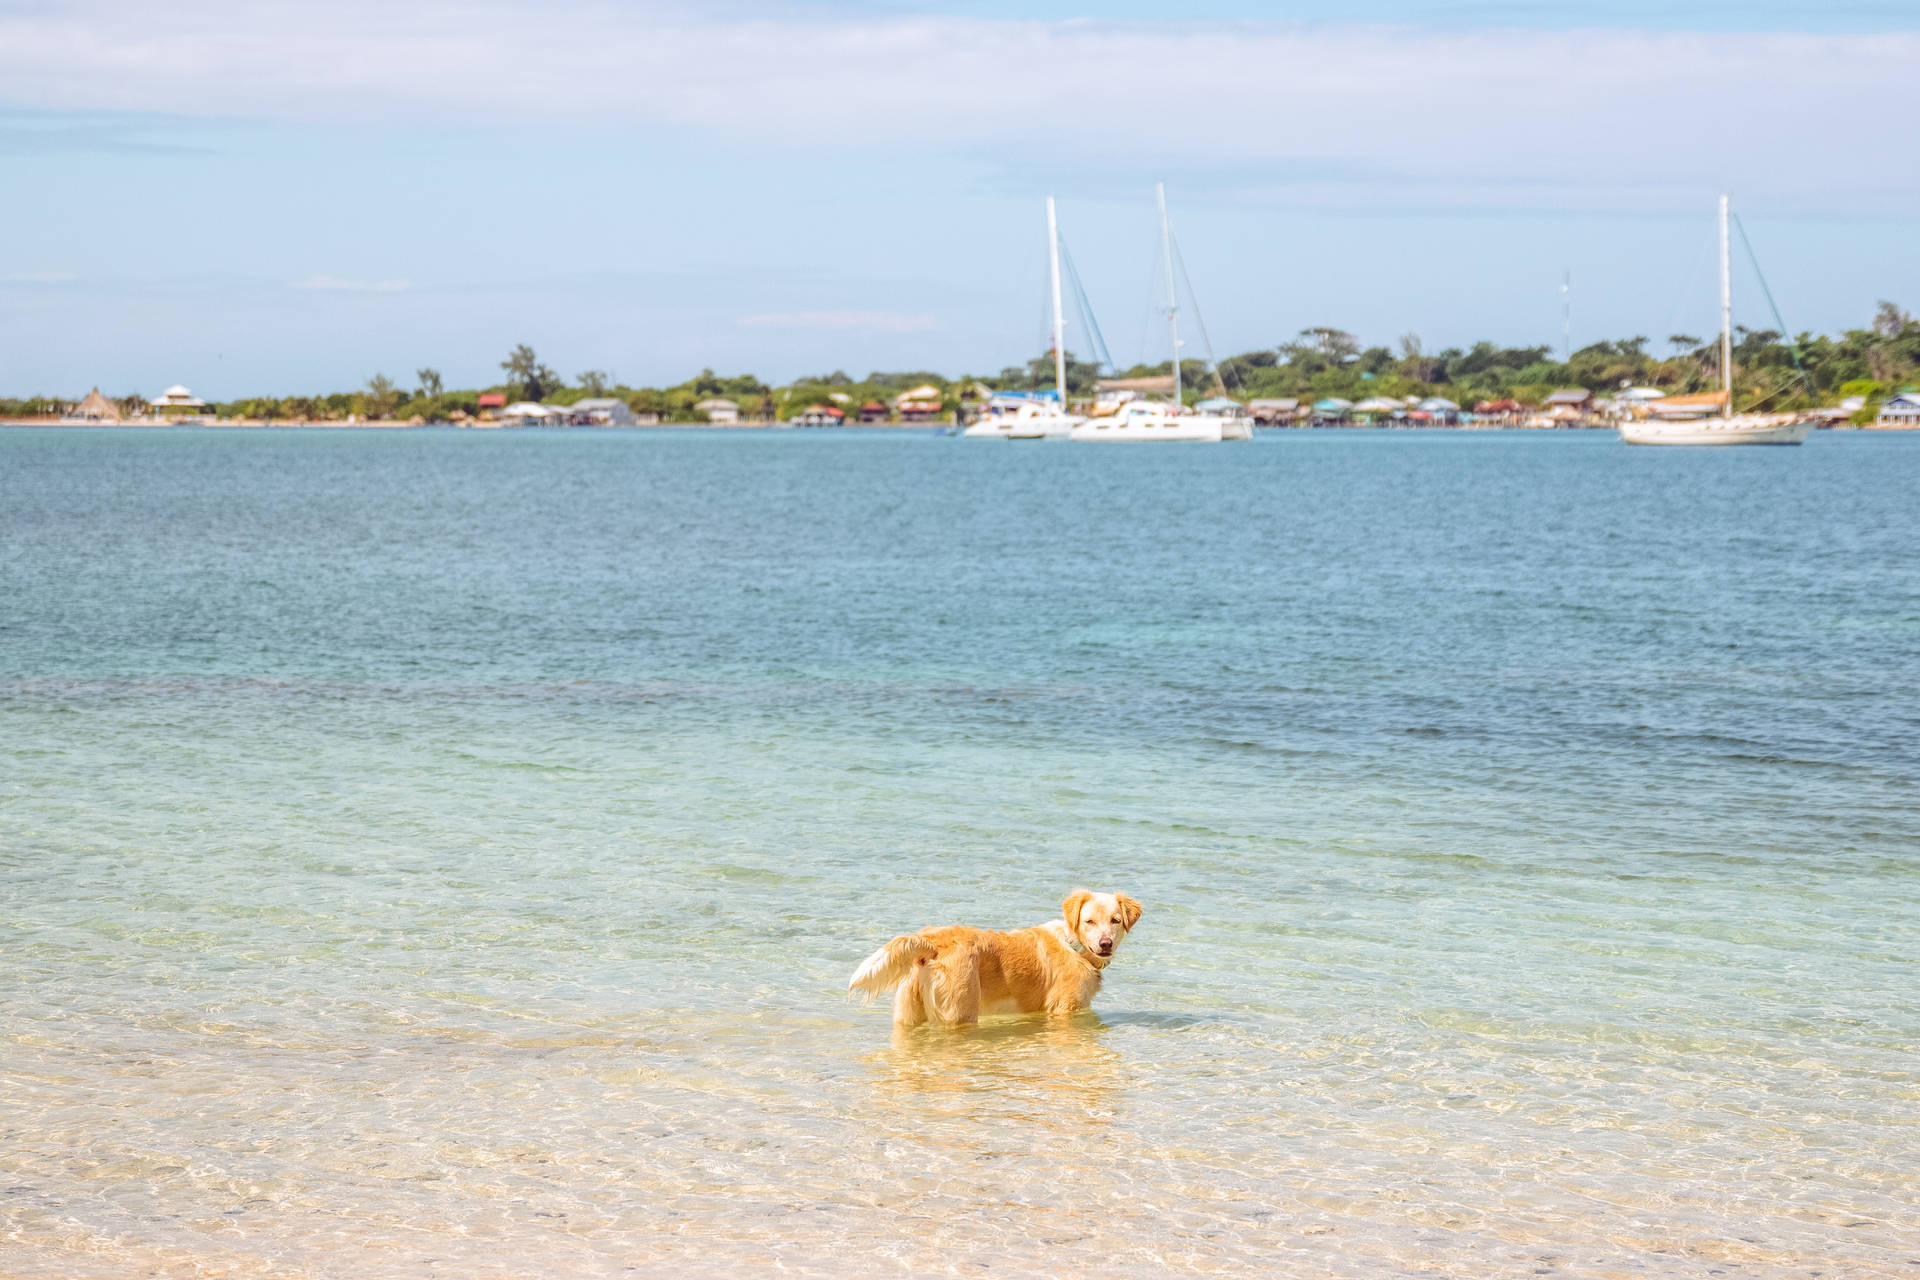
x=234 y=424
x=390 y=425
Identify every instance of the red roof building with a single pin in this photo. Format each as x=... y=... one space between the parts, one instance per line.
x=821 y=415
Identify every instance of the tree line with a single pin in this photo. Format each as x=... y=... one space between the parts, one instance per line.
x=528 y=377
x=1772 y=372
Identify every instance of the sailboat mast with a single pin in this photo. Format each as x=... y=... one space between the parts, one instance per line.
x=1059 y=321
x=1726 y=313
x=1566 y=317
x=1173 y=302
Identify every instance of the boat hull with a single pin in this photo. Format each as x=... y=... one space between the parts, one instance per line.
x=1748 y=429
x=1035 y=428
x=1151 y=431
x=1165 y=429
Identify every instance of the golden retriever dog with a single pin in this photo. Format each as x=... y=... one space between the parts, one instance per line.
x=951 y=974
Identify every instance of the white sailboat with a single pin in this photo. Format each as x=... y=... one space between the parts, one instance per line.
x=1140 y=421
x=1729 y=427
x=1035 y=421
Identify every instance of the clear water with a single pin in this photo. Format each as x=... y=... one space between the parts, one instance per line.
x=442 y=855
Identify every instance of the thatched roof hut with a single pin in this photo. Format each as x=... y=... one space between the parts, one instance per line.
x=97 y=408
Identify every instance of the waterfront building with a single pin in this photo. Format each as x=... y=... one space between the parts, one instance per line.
x=1121 y=390
x=177 y=402
x=921 y=404
x=602 y=411
x=1330 y=411
x=1274 y=413
x=1384 y=407
x=1902 y=410
x=526 y=413
x=721 y=413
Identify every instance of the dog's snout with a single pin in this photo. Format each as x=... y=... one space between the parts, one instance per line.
x=1106 y=944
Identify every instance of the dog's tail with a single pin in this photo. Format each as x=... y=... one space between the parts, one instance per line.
x=882 y=971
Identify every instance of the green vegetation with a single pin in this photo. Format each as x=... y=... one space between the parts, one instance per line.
x=524 y=370
x=381 y=396
x=1038 y=375
x=844 y=392
x=32 y=406
x=1771 y=373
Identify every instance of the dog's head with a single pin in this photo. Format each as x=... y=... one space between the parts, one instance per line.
x=1099 y=920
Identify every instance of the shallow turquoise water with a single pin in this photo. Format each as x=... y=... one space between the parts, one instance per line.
x=442 y=854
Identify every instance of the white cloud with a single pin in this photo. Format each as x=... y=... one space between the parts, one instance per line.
x=867 y=321
x=334 y=284
x=1309 y=115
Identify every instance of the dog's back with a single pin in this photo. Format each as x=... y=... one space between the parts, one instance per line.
x=953 y=973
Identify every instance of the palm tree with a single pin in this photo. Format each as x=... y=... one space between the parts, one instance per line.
x=535 y=379
x=382 y=395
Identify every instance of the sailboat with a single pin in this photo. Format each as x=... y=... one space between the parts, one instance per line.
x=1141 y=421
x=1035 y=420
x=1729 y=427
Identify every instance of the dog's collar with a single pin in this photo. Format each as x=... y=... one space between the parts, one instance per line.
x=1079 y=948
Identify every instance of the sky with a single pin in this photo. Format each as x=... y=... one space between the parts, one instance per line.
x=278 y=197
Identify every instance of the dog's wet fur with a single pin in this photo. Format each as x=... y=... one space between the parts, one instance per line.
x=952 y=974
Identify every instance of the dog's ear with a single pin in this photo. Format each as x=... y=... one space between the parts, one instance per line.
x=1070 y=909
x=1130 y=911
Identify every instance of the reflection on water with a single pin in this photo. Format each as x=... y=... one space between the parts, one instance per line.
x=1050 y=1071
x=406 y=874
